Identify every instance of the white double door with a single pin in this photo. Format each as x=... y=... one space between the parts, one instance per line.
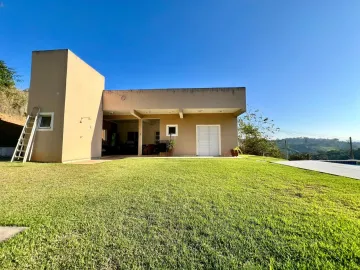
x=208 y=140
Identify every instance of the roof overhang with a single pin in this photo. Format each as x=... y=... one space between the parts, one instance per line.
x=140 y=113
x=140 y=103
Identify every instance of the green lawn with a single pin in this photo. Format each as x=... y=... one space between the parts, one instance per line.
x=178 y=213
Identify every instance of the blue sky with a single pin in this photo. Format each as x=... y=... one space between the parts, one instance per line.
x=299 y=60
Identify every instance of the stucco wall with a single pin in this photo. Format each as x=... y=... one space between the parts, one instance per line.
x=83 y=111
x=47 y=90
x=149 y=130
x=233 y=97
x=185 y=142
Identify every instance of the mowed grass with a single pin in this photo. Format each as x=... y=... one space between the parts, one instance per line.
x=178 y=213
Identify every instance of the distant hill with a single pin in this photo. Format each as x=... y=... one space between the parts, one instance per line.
x=314 y=146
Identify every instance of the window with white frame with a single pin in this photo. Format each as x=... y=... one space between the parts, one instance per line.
x=172 y=130
x=46 y=121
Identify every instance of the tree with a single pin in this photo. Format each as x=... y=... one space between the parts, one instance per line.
x=8 y=76
x=254 y=135
x=12 y=100
x=299 y=156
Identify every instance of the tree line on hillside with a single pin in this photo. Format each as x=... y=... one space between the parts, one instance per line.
x=255 y=133
x=12 y=100
x=314 y=145
x=318 y=149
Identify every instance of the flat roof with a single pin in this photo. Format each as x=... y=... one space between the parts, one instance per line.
x=215 y=89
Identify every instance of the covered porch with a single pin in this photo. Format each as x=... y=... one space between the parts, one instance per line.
x=151 y=134
x=130 y=136
x=199 y=122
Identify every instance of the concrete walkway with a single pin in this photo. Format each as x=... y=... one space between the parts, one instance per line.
x=8 y=232
x=351 y=171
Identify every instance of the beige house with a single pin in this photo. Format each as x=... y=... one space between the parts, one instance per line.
x=80 y=120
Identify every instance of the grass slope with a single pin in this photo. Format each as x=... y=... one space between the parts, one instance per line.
x=178 y=213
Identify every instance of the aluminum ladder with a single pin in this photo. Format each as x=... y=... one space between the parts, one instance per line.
x=25 y=144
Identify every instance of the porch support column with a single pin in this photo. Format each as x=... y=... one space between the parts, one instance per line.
x=181 y=113
x=238 y=112
x=136 y=114
x=140 y=137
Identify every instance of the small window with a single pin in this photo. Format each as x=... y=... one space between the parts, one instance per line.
x=46 y=121
x=157 y=137
x=171 y=130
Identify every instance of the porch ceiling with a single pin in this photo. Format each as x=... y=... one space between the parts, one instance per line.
x=174 y=111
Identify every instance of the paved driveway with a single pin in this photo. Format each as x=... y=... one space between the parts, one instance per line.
x=351 y=171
